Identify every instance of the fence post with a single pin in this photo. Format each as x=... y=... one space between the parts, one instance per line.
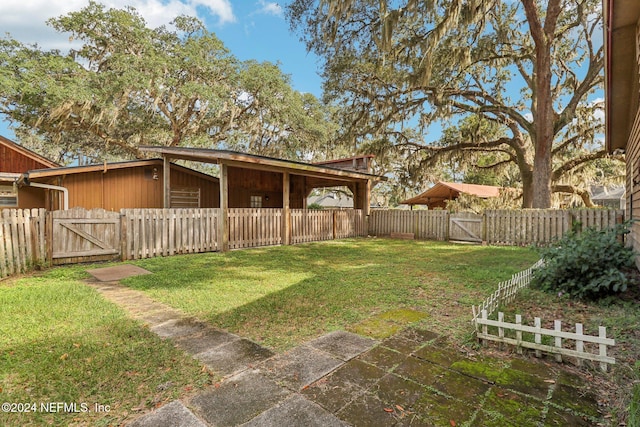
x=519 y=334
x=602 y=333
x=447 y=225
x=123 y=235
x=484 y=227
x=537 y=337
x=501 y=330
x=557 y=326
x=49 y=236
x=334 y=223
x=484 y=327
x=579 y=343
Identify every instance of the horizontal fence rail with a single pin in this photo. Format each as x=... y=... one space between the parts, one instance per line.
x=22 y=240
x=534 y=337
x=150 y=233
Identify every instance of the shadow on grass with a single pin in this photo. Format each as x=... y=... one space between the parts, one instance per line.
x=61 y=342
x=284 y=295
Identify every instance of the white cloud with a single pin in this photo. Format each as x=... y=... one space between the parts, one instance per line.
x=26 y=20
x=269 y=8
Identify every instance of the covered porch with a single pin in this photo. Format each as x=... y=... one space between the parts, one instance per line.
x=252 y=181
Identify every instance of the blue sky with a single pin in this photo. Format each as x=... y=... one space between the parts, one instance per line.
x=251 y=29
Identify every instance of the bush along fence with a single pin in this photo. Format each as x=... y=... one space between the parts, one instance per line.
x=535 y=337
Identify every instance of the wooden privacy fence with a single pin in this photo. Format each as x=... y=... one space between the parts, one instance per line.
x=527 y=226
x=252 y=227
x=148 y=233
x=22 y=240
x=498 y=227
x=552 y=341
x=432 y=224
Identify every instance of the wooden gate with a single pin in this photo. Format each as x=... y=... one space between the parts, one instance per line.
x=79 y=235
x=465 y=227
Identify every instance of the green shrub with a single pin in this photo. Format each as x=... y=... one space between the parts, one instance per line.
x=588 y=265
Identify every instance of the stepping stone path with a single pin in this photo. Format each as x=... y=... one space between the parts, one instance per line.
x=409 y=379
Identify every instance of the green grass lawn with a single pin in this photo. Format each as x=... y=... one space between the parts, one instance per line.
x=283 y=296
x=60 y=341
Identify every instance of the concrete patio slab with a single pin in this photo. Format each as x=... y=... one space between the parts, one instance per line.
x=383 y=358
x=394 y=390
x=343 y=345
x=174 y=414
x=239 y=399
x=368 y=411
x=300 y=367
x=296 y=411
x=344 y=385
x=204 y=341
x=233 y=357
x=118 y=272
x=177 y=328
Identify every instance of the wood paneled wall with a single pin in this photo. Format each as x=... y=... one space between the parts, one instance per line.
x=130 y=188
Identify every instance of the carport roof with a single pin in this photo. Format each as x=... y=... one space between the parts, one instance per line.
x=253 y=161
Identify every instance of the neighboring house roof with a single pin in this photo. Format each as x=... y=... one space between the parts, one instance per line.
x=70 y=170
x=332 y=200
x=25 y=152
x=621 y=76
x=442 y=191
x=611 y=194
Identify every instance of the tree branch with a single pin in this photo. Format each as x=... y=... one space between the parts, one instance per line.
x=570 y=189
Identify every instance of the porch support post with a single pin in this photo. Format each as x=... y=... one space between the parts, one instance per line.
x=286 y=211
x=223 y=220
x=166 y=182
x=366 y=202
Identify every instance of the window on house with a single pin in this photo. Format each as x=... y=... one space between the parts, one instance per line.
x=184 y=197
x=256 y=201
x=8 y=196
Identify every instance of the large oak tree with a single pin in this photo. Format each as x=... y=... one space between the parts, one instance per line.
x=529 y=68
x=123 y=84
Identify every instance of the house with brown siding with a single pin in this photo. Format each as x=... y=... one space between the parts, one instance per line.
x=121 y=185
x=14 y=160
x=622 y=96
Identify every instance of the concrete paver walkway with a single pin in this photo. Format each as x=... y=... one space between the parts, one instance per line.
x=409 y=379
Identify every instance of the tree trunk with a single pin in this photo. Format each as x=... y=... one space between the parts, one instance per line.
x=543 y=113
x=544 y=132
x=542 y=176
x=527 y=189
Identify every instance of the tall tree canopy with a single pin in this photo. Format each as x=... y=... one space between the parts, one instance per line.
x=128 y=84
x=513 y=81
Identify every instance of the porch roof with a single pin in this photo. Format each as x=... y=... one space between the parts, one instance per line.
x=325 y=175
x=621 y=75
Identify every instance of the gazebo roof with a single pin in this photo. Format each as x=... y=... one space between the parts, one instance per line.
x=442 y=191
